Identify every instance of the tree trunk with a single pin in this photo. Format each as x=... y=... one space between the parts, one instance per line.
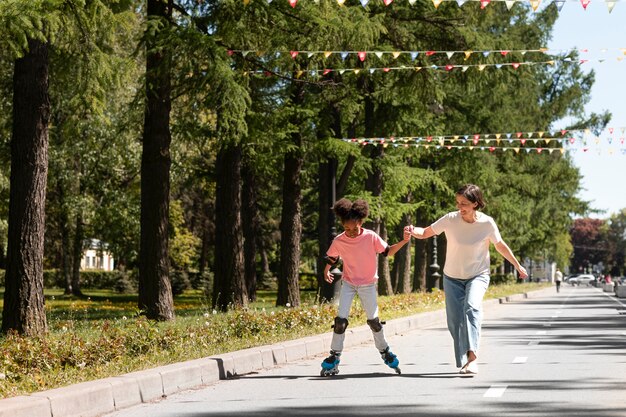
x=330 y=189
x=66 y=256
x=384 y=278
x=208 y=235
x=155 y=291
x=421 y=258
x=402 y=261
x=374 y=184
x=77 y=255
x=229 y=286
x=23 y=309
x=251 y=229
x=324 y=228
x=291 y=216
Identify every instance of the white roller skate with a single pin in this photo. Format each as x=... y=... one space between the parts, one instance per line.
x=391 y=360
x=330 y=365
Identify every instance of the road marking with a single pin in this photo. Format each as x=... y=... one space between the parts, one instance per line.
x=541 y=332
x=547 y=324
x=520 y=359
x=558 y=312
x=555 y=316
x=533 y=343
x=495 y=391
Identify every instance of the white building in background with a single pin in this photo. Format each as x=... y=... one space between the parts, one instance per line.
x=96 y=256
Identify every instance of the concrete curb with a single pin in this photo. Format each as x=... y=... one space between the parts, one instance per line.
x=94 y=398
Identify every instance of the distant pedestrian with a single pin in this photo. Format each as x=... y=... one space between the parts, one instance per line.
x=466 y=271
x=358 y=248
x=558 y=278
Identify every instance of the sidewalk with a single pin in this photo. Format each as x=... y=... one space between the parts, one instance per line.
x=103 y=396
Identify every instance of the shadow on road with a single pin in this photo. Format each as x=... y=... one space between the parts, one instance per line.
x=509 y=409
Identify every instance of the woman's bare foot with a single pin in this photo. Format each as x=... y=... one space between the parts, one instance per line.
x=471 y=366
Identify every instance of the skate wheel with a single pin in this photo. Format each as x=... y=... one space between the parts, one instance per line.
x=323 y=373
x=398 y=371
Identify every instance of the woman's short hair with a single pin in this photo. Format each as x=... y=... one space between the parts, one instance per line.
x=348 y=210
x=473 y=194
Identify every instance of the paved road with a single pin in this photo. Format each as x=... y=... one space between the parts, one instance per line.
x=559 y=355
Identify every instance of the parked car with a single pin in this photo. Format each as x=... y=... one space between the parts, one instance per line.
x=583 y=279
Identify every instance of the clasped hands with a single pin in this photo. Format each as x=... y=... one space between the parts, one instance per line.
x=416 y=232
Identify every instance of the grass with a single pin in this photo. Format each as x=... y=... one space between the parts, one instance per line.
x=103 y=334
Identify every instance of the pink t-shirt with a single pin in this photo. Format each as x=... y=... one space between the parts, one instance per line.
x=359 y=254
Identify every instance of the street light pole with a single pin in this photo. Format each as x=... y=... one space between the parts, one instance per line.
x=434 y=267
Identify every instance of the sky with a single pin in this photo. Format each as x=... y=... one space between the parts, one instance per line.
x=603 y=34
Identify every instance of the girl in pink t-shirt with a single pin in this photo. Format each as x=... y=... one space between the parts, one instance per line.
x=359 y=249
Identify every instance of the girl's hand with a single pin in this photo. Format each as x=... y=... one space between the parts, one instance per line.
x=329 y=277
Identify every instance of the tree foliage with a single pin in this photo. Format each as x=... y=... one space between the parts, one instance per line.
x=255 y=150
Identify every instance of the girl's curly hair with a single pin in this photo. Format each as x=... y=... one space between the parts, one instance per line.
x=348 y=210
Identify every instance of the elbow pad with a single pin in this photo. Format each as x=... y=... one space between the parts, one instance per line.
x=386 y=251
x=330 y=260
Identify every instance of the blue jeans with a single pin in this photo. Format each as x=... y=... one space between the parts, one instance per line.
x=464 y=313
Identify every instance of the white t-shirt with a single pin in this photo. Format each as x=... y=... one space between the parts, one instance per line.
x=467 y=252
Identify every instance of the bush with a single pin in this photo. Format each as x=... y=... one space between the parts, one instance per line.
x=308 y=282
x=124 y=283
x=180 y=282
x=201 y=281
x=498 y=279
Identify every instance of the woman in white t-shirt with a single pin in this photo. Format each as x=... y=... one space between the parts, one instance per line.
x=466 y=271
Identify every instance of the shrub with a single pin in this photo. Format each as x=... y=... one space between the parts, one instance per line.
x=180 y=282
x=498 y=279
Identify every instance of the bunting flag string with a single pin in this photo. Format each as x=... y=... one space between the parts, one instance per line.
x=573 y=140
x=562 y=134
x=534 y=4
x=372 y=70
x=492 y=148
x=515 y=149
x=363 y=55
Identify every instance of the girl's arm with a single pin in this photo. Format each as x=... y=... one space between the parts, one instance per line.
x=395 y=248
x=504 y=250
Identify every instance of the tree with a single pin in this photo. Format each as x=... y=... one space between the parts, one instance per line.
x=615 y=237
x=155 y=291
x=23 y=298
x=589 y=245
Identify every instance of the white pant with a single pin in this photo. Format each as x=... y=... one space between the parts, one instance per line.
x=368 y=295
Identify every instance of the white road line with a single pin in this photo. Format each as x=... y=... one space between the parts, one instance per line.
x=495 y=391
x=533 y=343
x=541 y=332
x=555 y=316
x=547 y=324
x=520 y=359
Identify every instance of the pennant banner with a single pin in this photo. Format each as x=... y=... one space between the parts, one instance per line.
x=534 y=4
x=363 y=55
x=575 y=140
x=447 y=68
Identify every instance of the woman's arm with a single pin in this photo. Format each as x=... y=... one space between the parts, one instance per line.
x=504 y=250
x=420 y=232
